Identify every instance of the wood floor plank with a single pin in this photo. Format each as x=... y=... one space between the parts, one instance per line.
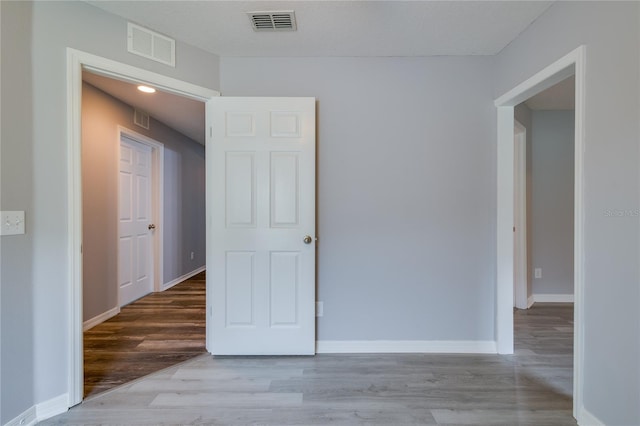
x=177 y=385
x=228 y=400
x=501 y=417
x=531 y=387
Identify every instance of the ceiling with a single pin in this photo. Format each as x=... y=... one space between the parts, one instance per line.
x=338 y=28
x=561 y=96
x=182 y=114
x=325 y=28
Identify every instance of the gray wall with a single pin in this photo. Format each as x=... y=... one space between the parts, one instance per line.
x=551 y=210
x=611 y=293
x=34 y=274
x=406 y=190
x=390 y=129
x=184 y=211
x=523 y=114
x=16 y=168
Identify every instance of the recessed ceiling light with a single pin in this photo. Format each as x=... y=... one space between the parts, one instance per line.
x=146 y=89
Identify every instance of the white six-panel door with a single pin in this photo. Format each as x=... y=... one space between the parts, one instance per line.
x=135 y=245
x=261 y=206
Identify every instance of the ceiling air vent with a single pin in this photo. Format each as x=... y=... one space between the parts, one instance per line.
x=282 y=20
x=151 y=45
x=141 y=118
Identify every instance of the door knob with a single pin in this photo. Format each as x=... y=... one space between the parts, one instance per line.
x=152 y=226
x=307 y=239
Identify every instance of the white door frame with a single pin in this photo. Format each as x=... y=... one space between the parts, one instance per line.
x=520 y=219
x=76 y=62
x=157 y=200
x=572 y=63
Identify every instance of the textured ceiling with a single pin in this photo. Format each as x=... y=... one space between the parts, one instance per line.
x=325 y=28
x=339 y=28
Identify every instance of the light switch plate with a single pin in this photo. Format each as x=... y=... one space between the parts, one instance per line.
x=12 y=223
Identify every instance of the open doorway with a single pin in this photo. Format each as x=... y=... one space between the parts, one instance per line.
x=80 y=62
x=544 y=138
x=572 y=64
x=544 y=196
x=143 y=202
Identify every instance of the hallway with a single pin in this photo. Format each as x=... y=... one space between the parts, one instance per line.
x=154 y=332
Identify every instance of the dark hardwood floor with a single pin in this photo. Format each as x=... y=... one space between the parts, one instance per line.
x=150 y=334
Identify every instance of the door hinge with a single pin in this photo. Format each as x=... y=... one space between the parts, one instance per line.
x=210 y=132
x=514 y=229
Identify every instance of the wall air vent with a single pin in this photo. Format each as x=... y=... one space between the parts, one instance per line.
x=282 y=20
x=141 y=118
x=151 y=45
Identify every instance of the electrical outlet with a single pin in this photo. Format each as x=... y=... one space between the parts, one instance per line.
x=537 y=273
x=12 y=223
x=319 y=309
x=191 y=255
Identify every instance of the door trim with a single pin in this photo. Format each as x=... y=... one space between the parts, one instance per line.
x=574 y=63
x=76 y=62
x=157 y=200
x=520 y=219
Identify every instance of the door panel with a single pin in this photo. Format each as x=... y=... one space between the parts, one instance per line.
x=261 y=205
x=240 y=190
x=284 y=189
x=284 y=287
x=239 y=286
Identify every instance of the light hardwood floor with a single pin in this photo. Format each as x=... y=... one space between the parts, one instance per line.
x=531 y=387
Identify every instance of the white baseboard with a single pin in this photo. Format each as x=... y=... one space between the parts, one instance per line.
x=406 y=346
x=99 y=319
x=52 y=407
x=552 y=298
x=42 y=411
x=585 y=418
x=530 y=301
x=182 y=278
x=26 y=418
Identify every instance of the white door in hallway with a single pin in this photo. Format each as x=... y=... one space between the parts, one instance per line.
x=520 y=274
x=261 y=217
x=135 y=222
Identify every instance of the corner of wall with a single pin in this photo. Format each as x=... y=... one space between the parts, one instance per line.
x=39 y=412
x=585 y=418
